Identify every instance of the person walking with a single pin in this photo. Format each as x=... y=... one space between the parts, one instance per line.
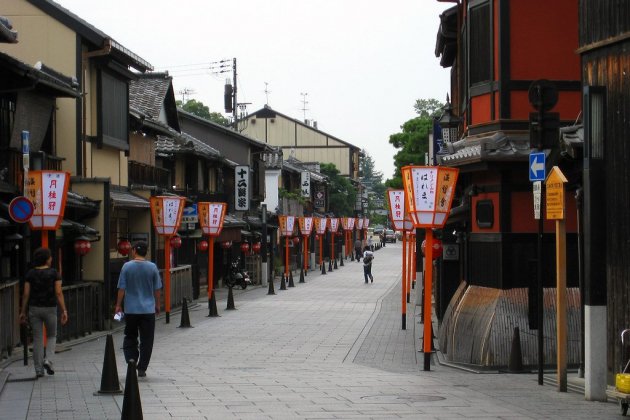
x=370 y=244
x=382 y=238
x=368 y=257
x=42 y=293
x=139 y=284
x=357 y=249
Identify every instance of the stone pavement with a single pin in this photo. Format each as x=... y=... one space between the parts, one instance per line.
x=331 y=348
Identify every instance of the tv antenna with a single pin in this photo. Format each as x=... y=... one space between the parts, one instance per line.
x=267 y=92
x=304 y=102
x=186 y=92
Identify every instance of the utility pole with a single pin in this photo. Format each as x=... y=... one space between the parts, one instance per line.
x=267 y=92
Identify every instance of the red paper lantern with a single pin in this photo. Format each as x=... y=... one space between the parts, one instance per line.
x=256 y=247
x=226 y=245
x=203 y=246
x=244 y=247
x=437 y=248
x=176 y=242
x=296 y=240
x=82 y=246
x=124 y=246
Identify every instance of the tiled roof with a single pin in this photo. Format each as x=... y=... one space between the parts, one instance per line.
x=496 y=147
x=184 y=143
x=56 y=82
x=7 y=34
x=148 y=92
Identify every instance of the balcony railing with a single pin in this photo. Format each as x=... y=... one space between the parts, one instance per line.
x=143 y=174
x=12 y=160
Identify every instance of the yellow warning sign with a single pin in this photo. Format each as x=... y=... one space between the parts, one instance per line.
x=554 y=187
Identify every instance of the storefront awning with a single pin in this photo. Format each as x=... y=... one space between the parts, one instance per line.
x=125 y=199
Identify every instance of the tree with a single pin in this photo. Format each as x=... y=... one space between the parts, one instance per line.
x=413 y=142
x=341 y=193
x=199 y=109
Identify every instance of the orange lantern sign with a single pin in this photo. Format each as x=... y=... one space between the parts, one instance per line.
x=287 y=225
x=360 y=221
x=321 y=223
x=396 y=200
x=211 y=217
x=47 y=190
x=429 y=192
x=166 y=212
x=366 y=223
x=334 y=224
x=306 y=225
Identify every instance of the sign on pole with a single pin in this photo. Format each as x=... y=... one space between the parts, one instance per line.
x=554 y=197
x=47 y=190
x=305 y=184
x=241 y=185
x=397 y=208
x=537 y=166
x=537 y=191
x=211 y=216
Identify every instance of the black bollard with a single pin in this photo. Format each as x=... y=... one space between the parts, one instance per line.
x=109 y=376
x=185 y=319
x=323 y=268
x=132 y=406
x=212 y=306
x=283 y=285
x=335 y=266
x=271 y=290
x=301 y=276
x=515 y=362
x=352 y=256
x=340 y=260
x=330 y=266
x=291 y=284
x=230 y=300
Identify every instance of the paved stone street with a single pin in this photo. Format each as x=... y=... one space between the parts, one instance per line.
x=331 y=348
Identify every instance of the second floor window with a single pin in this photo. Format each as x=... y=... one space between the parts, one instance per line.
x=114 y=111
x=480 y=44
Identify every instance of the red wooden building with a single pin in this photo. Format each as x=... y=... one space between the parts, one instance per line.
x=496 y=49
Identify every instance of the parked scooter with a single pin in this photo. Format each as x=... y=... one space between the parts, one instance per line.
x=237 y=276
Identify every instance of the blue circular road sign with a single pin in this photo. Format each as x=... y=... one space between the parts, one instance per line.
x=21 y=209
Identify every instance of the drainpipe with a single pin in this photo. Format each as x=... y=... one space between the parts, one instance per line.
x=106 y=50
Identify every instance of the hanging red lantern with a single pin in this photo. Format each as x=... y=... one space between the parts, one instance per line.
x=124 y=246
x=202 y=245
x=256 y=247
x=437 y=248
x=82 y=246
x=226 y=245
x=245 y=247
x=176 y=241
x=296 y=240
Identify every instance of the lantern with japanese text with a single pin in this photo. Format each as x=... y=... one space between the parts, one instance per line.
x=256 y=247
x=166 y=213
x=176 y=242
x=124 y=246
x=82 y=246
x=286 y=226
x=429 y=192
x=202 y=245
x=396 y=200
x=47 y=190
x=359 y=222
x=211 y=217
x=366 y=223
x=320 y=227
x=244 y=247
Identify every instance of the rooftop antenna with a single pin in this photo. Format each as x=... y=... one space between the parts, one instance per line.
x=185 y=92
x=267 y=92
x=304 y=102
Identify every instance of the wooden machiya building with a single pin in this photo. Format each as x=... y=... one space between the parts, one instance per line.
x=496 y=49
x=604 y=49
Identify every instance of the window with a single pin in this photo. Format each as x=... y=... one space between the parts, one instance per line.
x=114 y=111
x=485 y=213
x=118 y=228
x=594 y=112
x=480 y=44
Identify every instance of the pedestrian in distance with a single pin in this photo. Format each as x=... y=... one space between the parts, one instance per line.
x=357 y=249
x=139 y=284
x=368 y=257
x=382 y=238
x=370 y=244
x=42 y=293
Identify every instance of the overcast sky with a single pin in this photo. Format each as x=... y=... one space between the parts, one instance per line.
x=361 y=64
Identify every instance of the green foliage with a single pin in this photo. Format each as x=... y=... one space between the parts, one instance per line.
x=291 y=195
x=341 y=193
x=199 y=109
x=413 y=141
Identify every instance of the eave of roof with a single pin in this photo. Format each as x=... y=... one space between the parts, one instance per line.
x=37 y=77
x=7 y=34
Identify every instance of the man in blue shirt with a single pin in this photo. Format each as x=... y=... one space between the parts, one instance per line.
x=140 y=285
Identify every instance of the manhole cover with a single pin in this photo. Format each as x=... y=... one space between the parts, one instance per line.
x=402 y=397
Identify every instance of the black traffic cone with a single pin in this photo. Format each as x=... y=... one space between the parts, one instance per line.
x=271 y=290
x=301 y=276
x=352 y=256
x=185 y=319
x=291 y=284
x=212 y=306
x=323 y=268
x=230 y=300
x=132 y=406
x=109 y=376
x=330 y=266
x=335 y=266
x=515 y=362
x=283 y=285
x=340 y=260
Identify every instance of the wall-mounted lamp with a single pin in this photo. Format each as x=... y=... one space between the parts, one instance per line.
x=449 y=123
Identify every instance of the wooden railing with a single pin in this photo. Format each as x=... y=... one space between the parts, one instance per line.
x=83 y=311
x=140 y=173
x=12 y=160
x=181 y=285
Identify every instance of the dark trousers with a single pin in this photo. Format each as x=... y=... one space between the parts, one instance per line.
x=367 y=272
x=145 y=325
x=357 y=253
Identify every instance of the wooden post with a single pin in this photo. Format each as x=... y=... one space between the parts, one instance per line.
x=428 y=269
x=210 y=267
x=561 y=303
x=305 y=264
x=286 y=257
x=167 y=278
x=404 y=284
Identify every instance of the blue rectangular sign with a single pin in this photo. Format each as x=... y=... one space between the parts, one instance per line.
x=537 y=166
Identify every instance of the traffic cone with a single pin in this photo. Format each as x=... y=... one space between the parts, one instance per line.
x=330 y=266
x=283 y=285
x=132 y=406
x=515 y=362
x=352 y=256
x=323 y=268
x=301 y=276
x=230 y=300
x=185 y=319
x=341 y=261
x=291 y=284
x=335 y=266
x=271 y=290
x=109 y=376
x=212 y=306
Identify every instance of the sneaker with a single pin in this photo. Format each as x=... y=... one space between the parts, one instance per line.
x=142 y=373
x=49 y=367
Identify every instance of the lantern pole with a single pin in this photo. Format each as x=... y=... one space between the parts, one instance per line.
x=404 y=283
x=305 y=263
x=212 y=305
x=321 y=250
x=286 y=256
x=428 y=280
x=412 y=243
x=167 y=278
x=332 y=244
x=409 y=267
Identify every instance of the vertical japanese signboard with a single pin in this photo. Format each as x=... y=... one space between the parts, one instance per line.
x=241 y=188
x=320 y=225
x=287 y=225
x=211 y=217
x=305 y=184
x=47 y=190
x=167 y=214
x=306 y=225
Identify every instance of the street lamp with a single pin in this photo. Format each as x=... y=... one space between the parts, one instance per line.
x=449 y=123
